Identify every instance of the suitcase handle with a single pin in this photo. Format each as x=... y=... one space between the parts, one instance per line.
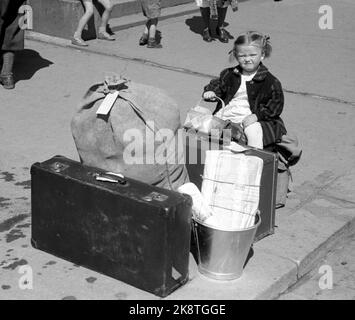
x=107 y=177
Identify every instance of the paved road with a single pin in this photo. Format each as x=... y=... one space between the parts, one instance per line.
x=340 y=265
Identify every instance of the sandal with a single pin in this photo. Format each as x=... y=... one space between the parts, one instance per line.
x=105 y=36
x=79 y=42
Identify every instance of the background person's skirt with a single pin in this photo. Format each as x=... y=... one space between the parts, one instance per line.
x=11 y=35
x=151 y=8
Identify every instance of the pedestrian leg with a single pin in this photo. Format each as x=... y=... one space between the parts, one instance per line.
x=144 y=38
x=205 y=14
x=6 y=76
x=152 y=42
x=222 y=12
x=89 y=11
x=104 y=21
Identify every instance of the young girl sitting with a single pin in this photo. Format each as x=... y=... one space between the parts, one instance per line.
x=253 y=97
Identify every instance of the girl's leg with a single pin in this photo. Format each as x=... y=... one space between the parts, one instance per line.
x=6 y=77
x=105 y=16
x=222 y=12
x=254 y=134
x=89 y=11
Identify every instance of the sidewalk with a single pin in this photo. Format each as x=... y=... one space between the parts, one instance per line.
x=301 y=50
x=320 y=209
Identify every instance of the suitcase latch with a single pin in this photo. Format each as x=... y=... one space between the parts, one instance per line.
x=155 y=196
x=59 y=167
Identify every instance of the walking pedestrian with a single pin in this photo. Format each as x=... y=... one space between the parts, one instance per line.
x=89 y=11
x=151 y=10
x=11 y=39
x=221 y=6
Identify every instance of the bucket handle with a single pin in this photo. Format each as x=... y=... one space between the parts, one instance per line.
x=196 y=240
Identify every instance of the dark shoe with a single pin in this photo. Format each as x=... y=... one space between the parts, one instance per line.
x=206 y=35
x=105 y=36
x=143 y=40
x=7 y=81
x=152 y=43
x=79 y=42
x=222 y=34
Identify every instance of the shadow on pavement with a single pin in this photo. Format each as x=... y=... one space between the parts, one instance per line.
x=195 y=24
x=27 y=63
x=158 y=36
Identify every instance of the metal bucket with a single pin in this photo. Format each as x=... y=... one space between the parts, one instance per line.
x=221 y=254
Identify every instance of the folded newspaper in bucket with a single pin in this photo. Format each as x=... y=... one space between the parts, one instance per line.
x=231 y=186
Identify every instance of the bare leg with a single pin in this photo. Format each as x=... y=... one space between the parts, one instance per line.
x=89 y=11
x=152 y=42
x=146 y=29
x=153 y=27
x=6 y=77
x=144 y=38
x=8 y=62
x=106 y=14
x=254 y=134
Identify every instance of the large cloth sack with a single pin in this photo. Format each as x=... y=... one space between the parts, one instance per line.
x=124 y=141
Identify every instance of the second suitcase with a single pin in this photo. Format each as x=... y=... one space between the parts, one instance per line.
x=195 y=148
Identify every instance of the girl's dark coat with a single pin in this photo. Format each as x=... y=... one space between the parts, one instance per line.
x=265 y=97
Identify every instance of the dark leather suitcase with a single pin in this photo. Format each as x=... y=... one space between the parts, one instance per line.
x=129 y=230
x=195 y=146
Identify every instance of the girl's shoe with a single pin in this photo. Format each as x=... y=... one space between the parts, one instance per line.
x=79 y=42
x=105 y=36
x=206 y=35
x=7 y=81
x=143 y=40
x=152 y=43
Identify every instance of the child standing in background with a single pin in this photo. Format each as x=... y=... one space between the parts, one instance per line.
x=151 y=10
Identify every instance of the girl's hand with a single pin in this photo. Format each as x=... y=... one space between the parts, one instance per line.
x=209 y=95
x=248 y=120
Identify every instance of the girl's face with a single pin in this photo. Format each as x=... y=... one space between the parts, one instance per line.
x=249 y=57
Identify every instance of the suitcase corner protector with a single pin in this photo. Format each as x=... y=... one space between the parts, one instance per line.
x=33 y=166
x=34 y=243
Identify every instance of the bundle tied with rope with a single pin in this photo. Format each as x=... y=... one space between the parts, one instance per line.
x=137 y=137
x=202 y=120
